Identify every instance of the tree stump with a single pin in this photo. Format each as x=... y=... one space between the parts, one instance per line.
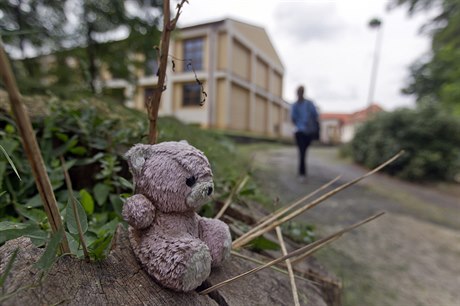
x=120 y=280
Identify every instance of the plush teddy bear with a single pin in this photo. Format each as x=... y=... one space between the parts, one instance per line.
x=173 y=243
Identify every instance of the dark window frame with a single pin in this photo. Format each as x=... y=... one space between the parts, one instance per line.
x=193 y=53
x=191 y=95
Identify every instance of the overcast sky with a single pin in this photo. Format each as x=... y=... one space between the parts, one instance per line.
x=328 y=47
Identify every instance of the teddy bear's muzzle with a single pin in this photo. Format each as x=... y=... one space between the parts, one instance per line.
x=199 y=194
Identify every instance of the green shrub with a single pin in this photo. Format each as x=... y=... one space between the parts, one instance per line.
x=429 y=135
x=92 y=136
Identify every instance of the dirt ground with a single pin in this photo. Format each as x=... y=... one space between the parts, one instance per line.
x=409 y=256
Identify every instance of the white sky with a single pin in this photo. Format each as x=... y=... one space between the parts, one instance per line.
x=328 y=47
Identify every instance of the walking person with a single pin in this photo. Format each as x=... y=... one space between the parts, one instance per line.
x=304 y=115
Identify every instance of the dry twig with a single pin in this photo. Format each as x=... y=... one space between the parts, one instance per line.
x=247 y=238
x=308 y=249
x=234 y=191
x=275 y=215
x=153 y=104
x=31 y=149
x=276 y=268
x=295 y=295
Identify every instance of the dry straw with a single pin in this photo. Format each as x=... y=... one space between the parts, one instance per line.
x=246 y=238
x=295 y=294
x=308 y=250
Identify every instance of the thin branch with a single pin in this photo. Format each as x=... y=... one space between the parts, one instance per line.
x=75 y=212
x=31 y=149
x=275 y=268
x=312 y=247
x=272 y=217
x=153 y=104
x=295 y=294
x=234 y=191
x=269 y=227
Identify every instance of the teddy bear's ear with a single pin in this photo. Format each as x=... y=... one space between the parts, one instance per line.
x=136 y=156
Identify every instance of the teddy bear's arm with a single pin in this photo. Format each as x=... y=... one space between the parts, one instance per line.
x=138 y=211
x=216 y=235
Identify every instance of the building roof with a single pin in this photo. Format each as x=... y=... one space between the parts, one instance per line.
x=260 y=37
x=352 y=118
x=253 y=33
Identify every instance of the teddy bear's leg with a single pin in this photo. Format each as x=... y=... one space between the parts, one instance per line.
x=216 y=235
x=179 y=263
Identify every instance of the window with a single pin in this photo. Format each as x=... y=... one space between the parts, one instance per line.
x=193 y=54
x=191 y=94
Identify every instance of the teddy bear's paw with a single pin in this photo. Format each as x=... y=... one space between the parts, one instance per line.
x=198 y=268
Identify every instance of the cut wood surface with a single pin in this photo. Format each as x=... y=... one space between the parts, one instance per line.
x=119 y=280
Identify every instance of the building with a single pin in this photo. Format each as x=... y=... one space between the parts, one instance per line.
x=339 y=128
x=242 y=76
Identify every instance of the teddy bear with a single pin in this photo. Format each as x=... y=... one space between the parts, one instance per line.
x=175 y=245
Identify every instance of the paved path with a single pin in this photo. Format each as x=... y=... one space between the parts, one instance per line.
x=410 y=256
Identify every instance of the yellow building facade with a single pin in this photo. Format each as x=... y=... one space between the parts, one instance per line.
x=241 y=73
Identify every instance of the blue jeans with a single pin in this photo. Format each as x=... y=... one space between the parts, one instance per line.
x=303 y=141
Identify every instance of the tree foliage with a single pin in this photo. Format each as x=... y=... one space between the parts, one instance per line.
x=33 y=24
x=85 y=37
x=437 y=76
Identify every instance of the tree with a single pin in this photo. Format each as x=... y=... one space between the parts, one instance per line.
x=436 y=78
x=99 y=20
x=83 y=29
x=31 y=24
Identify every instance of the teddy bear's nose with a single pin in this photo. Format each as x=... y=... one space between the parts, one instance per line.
x=209 y=190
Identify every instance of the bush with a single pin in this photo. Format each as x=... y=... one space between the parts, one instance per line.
x=92 y=136
x=429 y=135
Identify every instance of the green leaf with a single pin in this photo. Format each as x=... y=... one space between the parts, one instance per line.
x=35 y=201
x=108 y=228
x=80 y=151
x=57 y=178
x=74 y=245
x=9 y=145
x=66 y=147
x=262 y=243
x=10 y=161
x=117 y=203
x=71 y=219
x=101 y=192
x=38 y=237
x=33 y=214
x=87 y=201
x=11 y=230
x=49 y=256
x=87 y=161
x=125 y=183
x=10 y=129
x=8 y=268
x=70 y=163
x=2 y=172
x=8 y=225
x=63 y=137
x=99 y=247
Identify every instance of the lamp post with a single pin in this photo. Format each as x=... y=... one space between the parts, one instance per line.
x=376 y=24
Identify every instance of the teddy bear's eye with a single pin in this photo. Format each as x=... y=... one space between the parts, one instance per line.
x=190 y=181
